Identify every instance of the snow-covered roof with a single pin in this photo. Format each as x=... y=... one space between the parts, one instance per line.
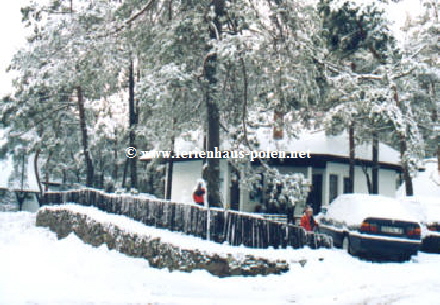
x=317 y=142
x=354 y=208
x=321 y=144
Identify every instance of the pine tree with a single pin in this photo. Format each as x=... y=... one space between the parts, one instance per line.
x=62 y=69
x=359 y=38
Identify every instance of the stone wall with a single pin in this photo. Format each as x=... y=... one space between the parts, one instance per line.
x=159 y=254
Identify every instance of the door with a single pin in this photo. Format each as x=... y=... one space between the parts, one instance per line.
x=333 y=186
x=314 y=198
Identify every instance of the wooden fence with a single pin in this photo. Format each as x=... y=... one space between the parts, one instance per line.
x=235 y=228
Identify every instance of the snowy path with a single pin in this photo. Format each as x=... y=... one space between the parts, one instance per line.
x=36 y=268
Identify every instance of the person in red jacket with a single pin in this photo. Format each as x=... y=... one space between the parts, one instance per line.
x=307 y=221
x=199 y=194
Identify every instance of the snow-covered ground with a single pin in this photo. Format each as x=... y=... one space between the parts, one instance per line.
x=36 y=268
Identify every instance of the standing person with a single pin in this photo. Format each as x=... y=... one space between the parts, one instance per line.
x=307 y=221
x=199 y=194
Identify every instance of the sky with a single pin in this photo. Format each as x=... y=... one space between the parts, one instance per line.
x=13 y=32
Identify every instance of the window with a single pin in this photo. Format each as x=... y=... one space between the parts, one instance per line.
x=347 y=185
x=333 y=186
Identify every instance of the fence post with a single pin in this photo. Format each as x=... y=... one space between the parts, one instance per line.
x=208 y=221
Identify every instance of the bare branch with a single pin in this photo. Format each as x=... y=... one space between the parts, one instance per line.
x=147 y=7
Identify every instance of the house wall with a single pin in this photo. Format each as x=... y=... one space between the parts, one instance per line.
x=186 y=174
x=387 y=180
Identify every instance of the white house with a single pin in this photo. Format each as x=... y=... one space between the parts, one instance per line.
x=13 y=184
x=327 y=169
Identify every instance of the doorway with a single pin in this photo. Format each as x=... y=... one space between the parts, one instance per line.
x=314 y=199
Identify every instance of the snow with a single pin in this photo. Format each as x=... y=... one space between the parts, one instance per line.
x=354 y=208
x=396 y=12
x=425 y=184
x=14 y=32
x=426 y=209
x=32 y=179
x=321 y=144
x=39 y=269
x=6 y=167
x=425 y=203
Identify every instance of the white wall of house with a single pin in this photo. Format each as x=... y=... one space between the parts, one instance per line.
x=186 y=174
x=387 y=180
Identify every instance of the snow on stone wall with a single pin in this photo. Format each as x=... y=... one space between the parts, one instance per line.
x=97 y=228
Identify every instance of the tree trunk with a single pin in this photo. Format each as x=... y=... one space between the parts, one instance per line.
x=245 y=102
x=22 y=173
x=37 y=176
x=169 y=176
x=82 y=123
x=100 y=178
x=352 y=157
x=132 y=124
x=124 y=174
x=115 y=168
x=406 y=176
x=404 y=162
x=169 y=183
x=211 y=172
x=367 y=176
x=212 y=169
x=64 y=182
x=20 y=199
x=375 y=153
x=170 y=165
x=20 y=194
